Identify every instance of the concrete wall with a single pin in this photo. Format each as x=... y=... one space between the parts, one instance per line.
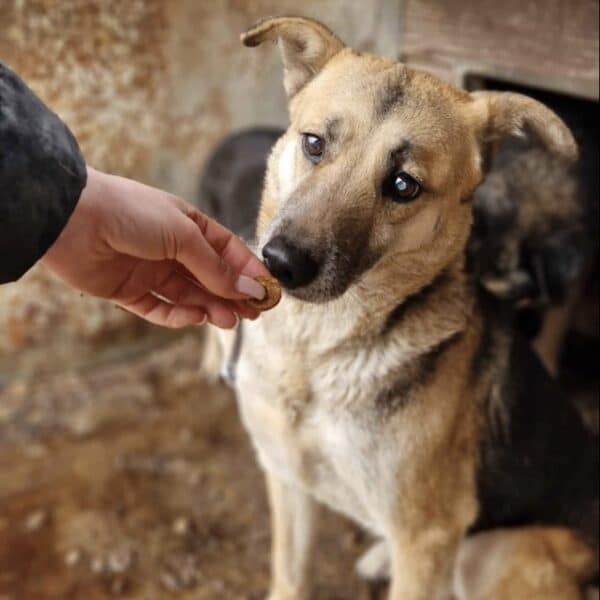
x=148 y=87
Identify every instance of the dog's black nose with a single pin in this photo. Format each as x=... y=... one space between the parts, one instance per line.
x=292 y=266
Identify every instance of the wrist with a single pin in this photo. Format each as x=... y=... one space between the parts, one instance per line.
x=81 y=224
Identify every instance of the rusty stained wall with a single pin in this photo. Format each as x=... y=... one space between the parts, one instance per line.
x=148 y=87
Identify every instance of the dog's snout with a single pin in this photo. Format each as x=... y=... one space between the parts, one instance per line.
x=291 y=265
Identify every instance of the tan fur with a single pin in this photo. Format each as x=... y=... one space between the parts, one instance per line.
x=533 y=562
x=317 y=377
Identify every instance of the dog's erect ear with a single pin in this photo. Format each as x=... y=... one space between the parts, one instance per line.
x=305 y=45
x=506 y=114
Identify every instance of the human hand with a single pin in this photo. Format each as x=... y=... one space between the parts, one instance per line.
x=155 y=255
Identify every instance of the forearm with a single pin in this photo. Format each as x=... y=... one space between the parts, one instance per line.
x=42 y=174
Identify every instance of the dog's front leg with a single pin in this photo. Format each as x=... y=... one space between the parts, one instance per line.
x=293 y=515
x=421 y=564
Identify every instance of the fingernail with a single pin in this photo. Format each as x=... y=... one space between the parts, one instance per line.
x=203 y=322
x=250 y=287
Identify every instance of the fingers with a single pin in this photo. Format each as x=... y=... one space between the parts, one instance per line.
x=229 y=247
x=212 y=271
x=159 y=312
x=152 y=289
x=156 y=309
x=148 y=224
x=245 y=311
x=181 y=290
x=241 y=307
x=220 y=260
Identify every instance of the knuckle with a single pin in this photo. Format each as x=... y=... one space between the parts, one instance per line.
x=171 y=244
x=185 y=240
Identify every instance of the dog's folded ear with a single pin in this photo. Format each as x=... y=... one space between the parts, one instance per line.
x=504 y=114
x=305 y=46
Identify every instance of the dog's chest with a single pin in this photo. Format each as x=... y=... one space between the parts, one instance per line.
x=314 y=422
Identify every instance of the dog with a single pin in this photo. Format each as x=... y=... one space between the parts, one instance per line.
x=387 y=385
x=528 y=244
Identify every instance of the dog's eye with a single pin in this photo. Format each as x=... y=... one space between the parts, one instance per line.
x=313 y=147
x=401 y=187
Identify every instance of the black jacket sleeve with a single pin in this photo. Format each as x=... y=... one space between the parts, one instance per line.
x=42 y=174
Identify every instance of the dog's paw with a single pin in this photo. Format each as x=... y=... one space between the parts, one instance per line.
x=374 y=564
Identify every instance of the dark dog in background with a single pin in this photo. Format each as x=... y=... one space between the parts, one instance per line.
x=527 y=240
x=528 y=246
x=232 y=180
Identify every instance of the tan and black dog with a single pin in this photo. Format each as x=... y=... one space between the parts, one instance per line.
x=384 y=385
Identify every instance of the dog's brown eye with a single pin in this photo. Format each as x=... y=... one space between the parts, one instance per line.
x=401 y=187
x=313 y=147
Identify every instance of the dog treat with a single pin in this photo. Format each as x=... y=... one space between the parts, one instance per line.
x=272 y=296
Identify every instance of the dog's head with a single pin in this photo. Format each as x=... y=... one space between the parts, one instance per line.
x=373 y=179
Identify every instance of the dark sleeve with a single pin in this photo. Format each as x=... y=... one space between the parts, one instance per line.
x=42 y=174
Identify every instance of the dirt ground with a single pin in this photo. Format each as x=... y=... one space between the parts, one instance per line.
x=133 y=478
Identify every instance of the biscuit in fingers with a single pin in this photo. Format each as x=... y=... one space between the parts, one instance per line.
x=272 y=293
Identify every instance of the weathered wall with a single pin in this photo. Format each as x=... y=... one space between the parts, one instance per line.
x=550 y=44
x=148 y=87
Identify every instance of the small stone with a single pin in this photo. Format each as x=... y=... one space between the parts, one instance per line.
x=72 y=557
x=195 y=478
x=97 y=565
x=180 y=573
x=187 y=577
x=169 y=581
x=36 y=520
x=182 y=526
x=119 y=561
x=118 y=586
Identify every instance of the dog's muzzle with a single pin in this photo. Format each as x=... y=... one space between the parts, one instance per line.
x=292 y=265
